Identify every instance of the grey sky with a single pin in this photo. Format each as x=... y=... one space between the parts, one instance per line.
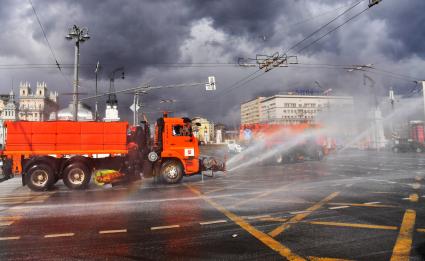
x=148 y=36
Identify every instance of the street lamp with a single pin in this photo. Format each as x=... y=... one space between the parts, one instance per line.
x=96 y=111
x=79 y=35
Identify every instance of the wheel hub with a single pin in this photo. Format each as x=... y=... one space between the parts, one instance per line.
x=172 y=172
x=76 y=176
x=40 y=178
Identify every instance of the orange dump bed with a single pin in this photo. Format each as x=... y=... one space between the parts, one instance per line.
x=65 y=137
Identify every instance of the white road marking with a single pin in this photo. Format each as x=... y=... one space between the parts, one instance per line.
x=372 y=203
x=10 y=238
x=339 y=207
x=113 y=231
x=165 y=227
x=59 y=235
x=213 y=222
x=415 y=185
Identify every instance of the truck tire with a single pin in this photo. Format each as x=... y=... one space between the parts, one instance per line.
x=171 y=172
x=39 y=177
x=76 y=175
x=418 y=150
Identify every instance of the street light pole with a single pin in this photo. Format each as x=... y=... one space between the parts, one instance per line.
x=79 y=35
x=96 y=111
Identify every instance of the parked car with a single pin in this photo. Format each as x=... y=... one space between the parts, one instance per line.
x=233 y=147
x=408 y=145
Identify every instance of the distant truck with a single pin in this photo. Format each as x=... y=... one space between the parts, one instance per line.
x=416 y=142
x=290 y=142
x=45 y=152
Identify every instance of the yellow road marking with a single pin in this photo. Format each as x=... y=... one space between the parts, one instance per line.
x=165 y=227
x=263 y=237
x=301 y=216
x=59 y=235
x=315 y=258
x=113 y=231
x=213 y=222
x=421 y=230
x=10 y=238
x=20 y=202
x=362 y=205
x=403 y=245
x=340 y=224
x=14 y=218
x=413 y=197
x=6 y=223
x=257 y=217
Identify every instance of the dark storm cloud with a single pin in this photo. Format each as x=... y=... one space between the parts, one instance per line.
x=141 y=35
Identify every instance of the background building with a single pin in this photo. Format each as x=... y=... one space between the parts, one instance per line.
x=8 y=111
x=67 y=114
x=250 y=111
x=295 y=109
x=205 y=132
x=38 y=105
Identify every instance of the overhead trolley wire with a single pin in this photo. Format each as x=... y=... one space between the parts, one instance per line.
x=333 y=30
x=323 y=26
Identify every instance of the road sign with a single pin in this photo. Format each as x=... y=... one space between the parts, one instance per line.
x=132 y=107
x=210 y=86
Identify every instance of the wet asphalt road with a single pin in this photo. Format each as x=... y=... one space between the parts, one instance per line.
x=355 y=205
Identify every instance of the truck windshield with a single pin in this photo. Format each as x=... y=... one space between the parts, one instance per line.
x=182 y=130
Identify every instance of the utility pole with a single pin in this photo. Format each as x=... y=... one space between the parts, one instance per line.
x=135 y=108
x=423 y=92
x=79 y=35
x=392 y=100
x=96 y=110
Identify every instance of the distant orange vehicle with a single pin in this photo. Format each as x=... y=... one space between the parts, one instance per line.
x=295 y=137
x=44 y=152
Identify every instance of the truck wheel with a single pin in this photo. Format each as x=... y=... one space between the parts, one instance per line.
x=418 y=150
x=76 y=176
x=40 y=177
x=395 y=149
x=171 y=171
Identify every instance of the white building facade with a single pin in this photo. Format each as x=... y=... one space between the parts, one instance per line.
x=8 y=112
x=295 y=109
x=38 y=105
x=250 y=111
x=205 y=132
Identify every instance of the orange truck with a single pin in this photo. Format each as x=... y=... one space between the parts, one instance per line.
x=45 y=152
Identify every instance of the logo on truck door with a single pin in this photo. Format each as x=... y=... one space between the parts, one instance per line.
x=189 y=152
